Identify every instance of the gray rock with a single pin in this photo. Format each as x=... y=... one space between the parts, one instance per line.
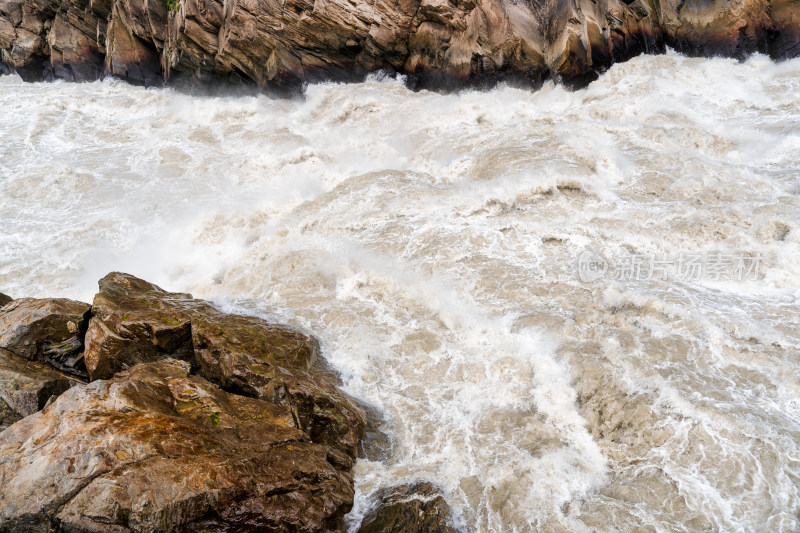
x=377 y=444
x=26 y=386
x=7 y=415
x=48 y=329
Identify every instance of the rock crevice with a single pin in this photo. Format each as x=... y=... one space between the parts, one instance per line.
x=436 y=43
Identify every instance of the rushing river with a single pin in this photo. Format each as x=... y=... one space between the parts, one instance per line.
x=432 y=242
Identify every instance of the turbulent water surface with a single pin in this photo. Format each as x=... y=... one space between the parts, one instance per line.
x=431 y=241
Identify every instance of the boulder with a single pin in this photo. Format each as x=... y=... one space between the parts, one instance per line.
x=26 y=386
x=135 y=321
x=158 y=449
x=417 y=508
x=49 y=329
x=4 y=299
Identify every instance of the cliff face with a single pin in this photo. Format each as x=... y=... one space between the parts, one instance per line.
x=440 y=43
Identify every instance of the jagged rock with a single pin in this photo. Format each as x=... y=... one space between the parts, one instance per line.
x=74 y=51
x=132 y=53
x=202 y=420
x=134 y=321
x=26 y=386
x=417 y=508
x=283 y=45
x=49 y=329
x=157 y=449
x=4 y=299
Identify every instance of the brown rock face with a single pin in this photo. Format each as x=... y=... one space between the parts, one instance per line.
x=438 y=43
x=157 y=449
x=26 y=386
x=418 y=508
x=47 y=329
x=4 y=299
x=134 y=321
x=196 y=420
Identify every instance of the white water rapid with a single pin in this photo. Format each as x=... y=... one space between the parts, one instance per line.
x=432 y=241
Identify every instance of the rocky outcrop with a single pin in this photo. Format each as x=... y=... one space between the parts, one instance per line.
x=4 y=299
x=134 y=321
x=195 y=420
x=417 y=508
x=49 y=329
x=437 y=43
x=157 y=449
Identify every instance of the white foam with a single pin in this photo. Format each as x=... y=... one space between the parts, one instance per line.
x=431 y=241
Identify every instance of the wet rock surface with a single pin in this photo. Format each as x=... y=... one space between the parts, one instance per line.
x=282 y=45
x=4 y=299
x=135 y=321
x=417 y=508
x=48 y=329
x=27 y=386
x=377 y=444
x=157 y=449
x=194 y=419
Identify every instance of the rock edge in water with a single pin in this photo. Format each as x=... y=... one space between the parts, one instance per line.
x=419 y=508
x=193 y=419
x=437 y=43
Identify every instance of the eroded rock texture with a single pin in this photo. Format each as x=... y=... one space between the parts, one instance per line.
x=47 y=329
x=157 y=449
x=134 y=321
x=439 y=43
x=194 y=419
x=27 y=386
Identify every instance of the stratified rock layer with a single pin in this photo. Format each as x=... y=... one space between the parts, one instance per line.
x=157 y=449
x=438 y=43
